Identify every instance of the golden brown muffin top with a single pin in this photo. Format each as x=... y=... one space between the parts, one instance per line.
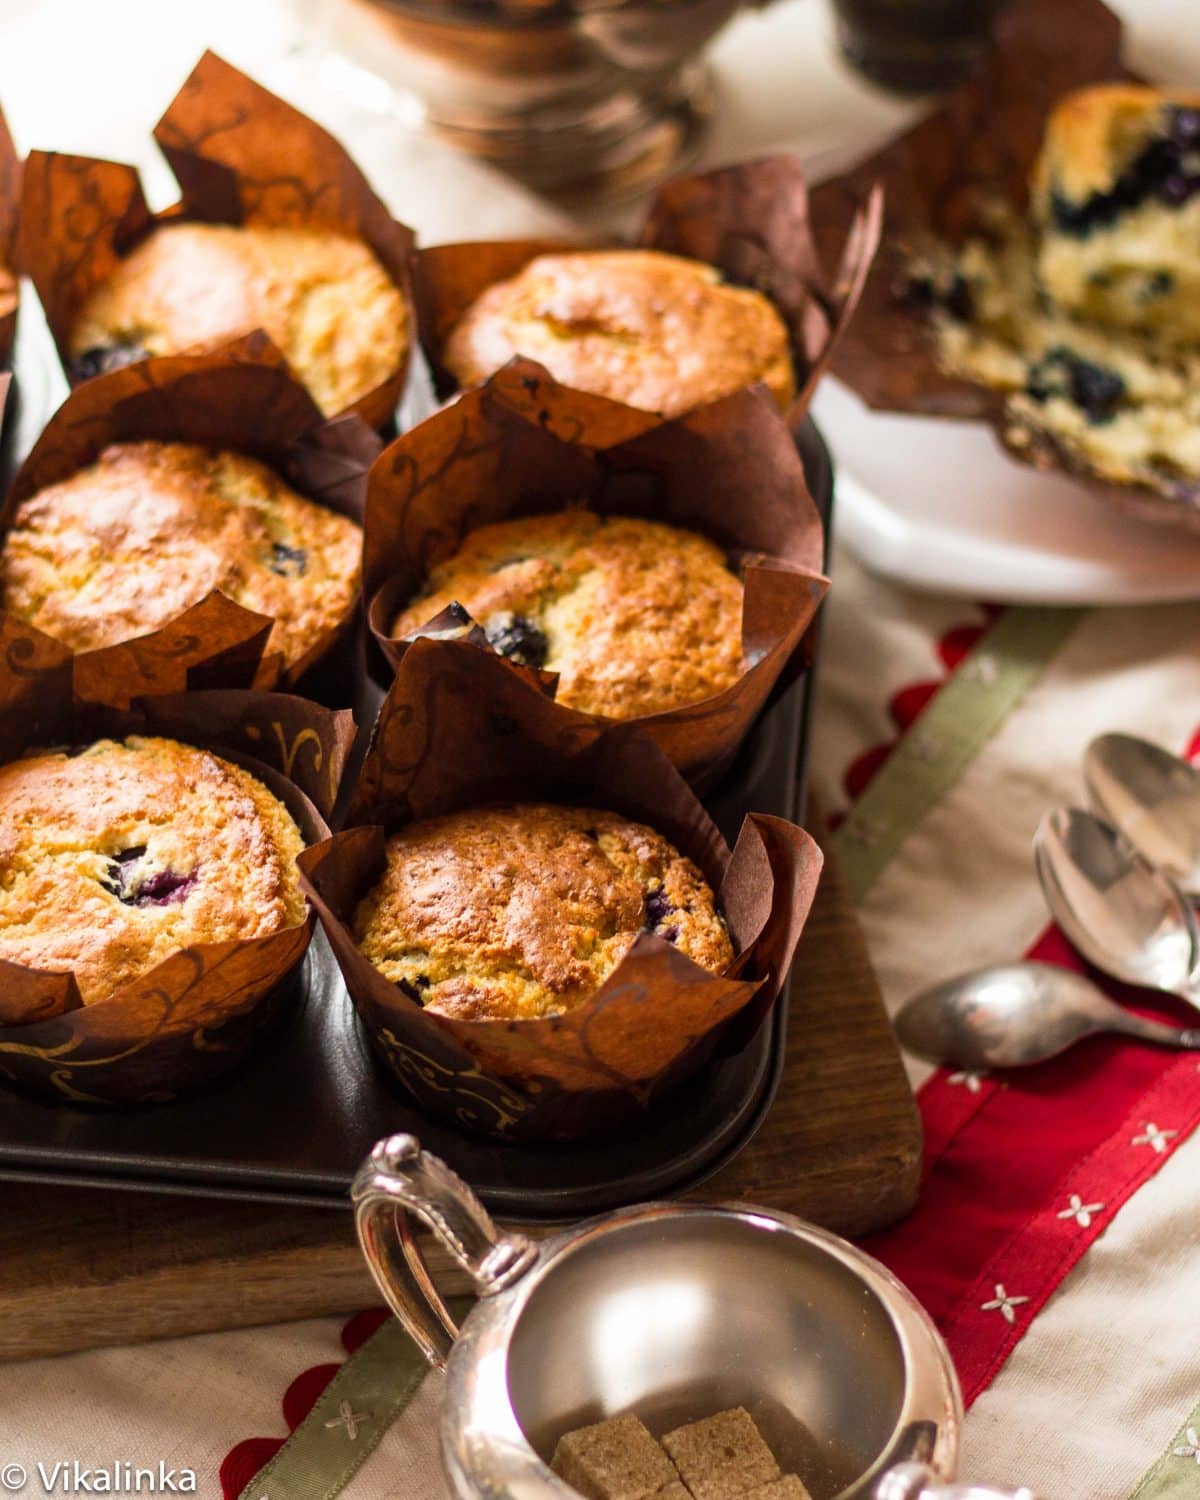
x=635 y=616
x=523 y=911
x=1094 y=134
x=323 y=297
x=115 y=858
x=655 y=331
x=145 y=532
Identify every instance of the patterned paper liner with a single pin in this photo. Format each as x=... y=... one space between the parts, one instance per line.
x=240 y=397
x=937 y=177
x=240 y=156
x=455 y=733
x=752 y=221
x=521 y=444
x=197 y=1014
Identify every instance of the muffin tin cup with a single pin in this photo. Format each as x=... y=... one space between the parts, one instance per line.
x=240 y=397
x=240 y=156
x=751 y=221
x=981 y=144
x=197 y=1014
x=521 y=444
x=453 y=734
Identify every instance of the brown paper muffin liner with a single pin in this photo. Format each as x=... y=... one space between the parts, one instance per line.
x=521 y=445
x=241 y=397
x=452 y=734
x=752 y=221
x=197 y=1014
x=980 y=145
x=240 y=156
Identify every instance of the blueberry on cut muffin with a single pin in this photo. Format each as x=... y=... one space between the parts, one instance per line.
x=128 y=542
x=635 y=616
x=520 y=912
x=655 y=331
x=115 y=857
x=323 y=297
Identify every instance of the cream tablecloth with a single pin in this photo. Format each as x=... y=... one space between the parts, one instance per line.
x=1106 y=1377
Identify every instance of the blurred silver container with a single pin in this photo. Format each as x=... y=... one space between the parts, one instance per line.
x=569 y=96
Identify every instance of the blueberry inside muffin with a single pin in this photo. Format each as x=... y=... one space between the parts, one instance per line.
x=1116 y=198
x=655 y=331
x=116 y=857
x=134 y=539
x=323 y=297
x=635 y=616
x=1087 y=313
x=521 y=912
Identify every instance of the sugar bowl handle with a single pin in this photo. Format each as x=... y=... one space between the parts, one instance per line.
x=399 y=1181
x=915 y=1481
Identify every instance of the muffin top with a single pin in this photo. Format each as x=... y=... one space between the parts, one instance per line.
x=521 y=912
x=636 y=617
x=114 y=858
x=132 y=540
x=654 y=331
x=323 y=298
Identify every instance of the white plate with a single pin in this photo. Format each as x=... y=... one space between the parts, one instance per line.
x=937 y=504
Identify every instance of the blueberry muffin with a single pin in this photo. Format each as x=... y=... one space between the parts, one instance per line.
x=323 y=298
x=116 y=857
x=1087 y=313
x=522 y=912
x=1116 y=201
x=654 y=331
x=134 y=539
x=636 y=617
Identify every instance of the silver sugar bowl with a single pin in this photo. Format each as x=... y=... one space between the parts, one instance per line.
x=674 y=1311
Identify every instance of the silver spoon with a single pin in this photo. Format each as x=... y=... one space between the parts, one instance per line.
x=1126 y=917
x=1152 y=798
x=1011 y=1014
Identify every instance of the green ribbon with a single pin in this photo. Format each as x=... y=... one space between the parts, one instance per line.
x=349 y=1419
x=1175 y=1474
x=932 y=757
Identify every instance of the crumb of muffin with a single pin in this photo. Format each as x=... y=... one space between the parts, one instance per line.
x=635 y=616
x=132 y=540
x=655 y=331
x=521 y=912
x=323 y=297
x=113 y=858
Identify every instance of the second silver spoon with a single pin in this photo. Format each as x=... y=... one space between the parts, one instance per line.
x=1009 y=1015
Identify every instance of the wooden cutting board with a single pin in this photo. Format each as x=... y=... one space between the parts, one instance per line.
x=82 y=1268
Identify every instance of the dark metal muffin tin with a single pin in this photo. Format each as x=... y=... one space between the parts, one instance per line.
x=294 y=1124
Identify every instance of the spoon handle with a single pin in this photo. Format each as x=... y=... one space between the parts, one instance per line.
x=1155 y=1031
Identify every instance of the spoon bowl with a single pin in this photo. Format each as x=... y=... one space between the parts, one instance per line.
x=1152 y=798
x=1010 y=1015
x=1126 y=917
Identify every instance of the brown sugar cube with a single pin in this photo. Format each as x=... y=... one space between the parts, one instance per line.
x=614 y=1460
x=787 y=1488
x=721 y=1457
